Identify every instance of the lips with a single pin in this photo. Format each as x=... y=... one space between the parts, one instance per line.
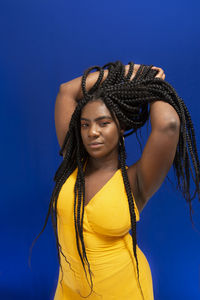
x=95 y=144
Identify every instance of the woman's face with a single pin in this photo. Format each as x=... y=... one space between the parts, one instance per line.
x=98 y=126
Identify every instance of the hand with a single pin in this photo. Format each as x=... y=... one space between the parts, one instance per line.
x=160 y=74
x=135 y=69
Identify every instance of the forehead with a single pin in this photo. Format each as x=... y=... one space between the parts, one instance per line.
x=95 y=109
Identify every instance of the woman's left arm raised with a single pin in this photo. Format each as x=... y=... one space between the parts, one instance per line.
x=159 y=151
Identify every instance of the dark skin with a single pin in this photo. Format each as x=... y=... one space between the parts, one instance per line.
x=103 y=161
x=147 y=174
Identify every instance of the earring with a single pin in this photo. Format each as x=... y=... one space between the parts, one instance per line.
x=123 y=140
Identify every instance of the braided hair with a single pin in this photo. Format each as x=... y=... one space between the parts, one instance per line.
x=127 y=100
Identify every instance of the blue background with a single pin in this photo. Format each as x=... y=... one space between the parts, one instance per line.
x=45 y=43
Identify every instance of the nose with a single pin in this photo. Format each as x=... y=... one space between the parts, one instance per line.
x=93 y=131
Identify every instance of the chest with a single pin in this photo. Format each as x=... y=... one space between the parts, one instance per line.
x=106 y=213
x=95 y=183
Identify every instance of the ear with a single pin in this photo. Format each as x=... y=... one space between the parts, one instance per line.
x=122 y=128
x=121 y=131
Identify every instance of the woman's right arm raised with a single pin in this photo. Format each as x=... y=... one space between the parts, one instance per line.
x=68 y=95
x=66 y=101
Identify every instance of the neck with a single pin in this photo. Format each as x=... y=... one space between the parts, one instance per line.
x=109 y=163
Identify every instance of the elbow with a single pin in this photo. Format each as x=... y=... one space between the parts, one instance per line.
x=63 y=88
x=163 y=115
x=171 y=125
x=174 y=124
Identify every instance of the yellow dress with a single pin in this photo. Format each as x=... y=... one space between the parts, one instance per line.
x=108 y=246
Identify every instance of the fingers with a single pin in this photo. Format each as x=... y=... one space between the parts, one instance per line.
x=135 y=69
x=160 y=74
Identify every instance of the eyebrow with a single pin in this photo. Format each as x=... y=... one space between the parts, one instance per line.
x=99 y=118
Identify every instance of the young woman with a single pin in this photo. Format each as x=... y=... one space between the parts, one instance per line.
x=97 y=198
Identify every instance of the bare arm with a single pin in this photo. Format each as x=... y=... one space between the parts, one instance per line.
x=66 y=102
x=159 y=151
x=68 y=95
x=148 y=173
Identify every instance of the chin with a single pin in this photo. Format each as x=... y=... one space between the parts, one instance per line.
x=96 y=153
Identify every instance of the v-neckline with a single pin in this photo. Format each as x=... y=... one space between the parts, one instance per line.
x=84 y=167
x=98 y=192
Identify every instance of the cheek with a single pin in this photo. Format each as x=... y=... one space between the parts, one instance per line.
x=112 y=136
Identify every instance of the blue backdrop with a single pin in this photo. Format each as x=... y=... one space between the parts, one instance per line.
x=45 y=43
